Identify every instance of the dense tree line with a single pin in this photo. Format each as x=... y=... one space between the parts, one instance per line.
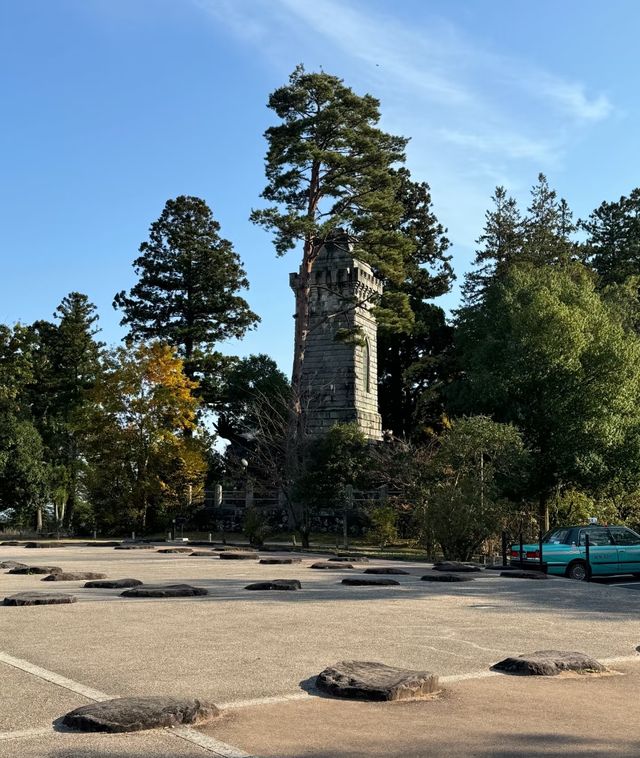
x=519 y=410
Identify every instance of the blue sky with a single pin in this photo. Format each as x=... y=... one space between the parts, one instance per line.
x=110 y=107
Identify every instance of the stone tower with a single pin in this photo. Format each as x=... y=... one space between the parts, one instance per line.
x=340 y=374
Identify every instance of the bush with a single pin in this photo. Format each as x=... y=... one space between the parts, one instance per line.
x=384 y=525
x=256 y=527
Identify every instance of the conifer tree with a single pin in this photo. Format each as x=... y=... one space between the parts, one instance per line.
x=499 y=245
x=413 y=338
x=613 y=244
x=187 y=290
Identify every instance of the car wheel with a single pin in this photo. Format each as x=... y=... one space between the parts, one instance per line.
x=578 y=571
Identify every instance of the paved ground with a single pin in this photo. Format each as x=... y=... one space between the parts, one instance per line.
x=234 y=647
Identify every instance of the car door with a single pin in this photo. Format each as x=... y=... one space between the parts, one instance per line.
x=603 y=553
x=628 y=547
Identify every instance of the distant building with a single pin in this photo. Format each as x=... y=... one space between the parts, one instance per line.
x=340 y=374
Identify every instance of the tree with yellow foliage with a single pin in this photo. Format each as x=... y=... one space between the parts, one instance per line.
x=144 y=463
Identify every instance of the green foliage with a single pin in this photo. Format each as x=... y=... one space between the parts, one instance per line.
x=23 y=472
x=541 y=238
x=413 y=339
x=256 y=526
x=328 y=167
x=478 y=471
x=384 y=525
x=66 y=365
x=249 y=388
x=549 y=354
x=187 y=289
x=333 y=463
x=612 y=247
x=575 y=507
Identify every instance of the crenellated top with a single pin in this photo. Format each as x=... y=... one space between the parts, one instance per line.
x=337 y=268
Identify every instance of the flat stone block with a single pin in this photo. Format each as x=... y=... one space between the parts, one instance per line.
x=113 y=543
x=242 y=556
x=175 y=550
x=74 y=576
x=456 y=566
x=550 y=663
x=167 y=590
x=39 y=598
x=133 y=714
x=11 y=543
x=277 y=561
x=12 y=565
x=442 y=577
x=366 y=680
x=44 y=544
x=355 y=582
x=332 y=566
x=518 y=574
x=36 y=570
x=276 y=584
x=234 y=549
x=113 y=584
x=204 y=554
x=385 y=570
x=134 y=547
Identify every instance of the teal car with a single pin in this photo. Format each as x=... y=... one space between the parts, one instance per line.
x=612 y=550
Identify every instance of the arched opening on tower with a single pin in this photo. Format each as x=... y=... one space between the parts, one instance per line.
x=366 y=363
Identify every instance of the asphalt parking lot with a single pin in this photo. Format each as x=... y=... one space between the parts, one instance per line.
x=257 y=654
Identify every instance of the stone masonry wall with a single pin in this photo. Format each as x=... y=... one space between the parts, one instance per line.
x=343 y=293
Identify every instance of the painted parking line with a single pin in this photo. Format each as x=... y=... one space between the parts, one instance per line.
x=209 y=744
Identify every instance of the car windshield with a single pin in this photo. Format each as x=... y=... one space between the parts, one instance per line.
x=556 y=537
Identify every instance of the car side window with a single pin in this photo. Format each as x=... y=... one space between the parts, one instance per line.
x=624 y=536
x=598 y=537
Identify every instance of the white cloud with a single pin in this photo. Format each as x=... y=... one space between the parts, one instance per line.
x=474 y=114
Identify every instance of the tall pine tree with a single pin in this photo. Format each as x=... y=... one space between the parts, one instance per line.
x=329 y=166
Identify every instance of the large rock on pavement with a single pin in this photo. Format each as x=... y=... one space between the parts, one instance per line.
x=109 y=543
x=36 y=570
x=12 y=565
x=442 y=577
x=165 y=590
x=39 y=598
x=113 y=584
x=276 y=584
x=175 y=550
x=75 y=576
x=385 y=570
x=235 y=549
x=243 y=555
x=132 y=714
x=277 y=561
x=134 y=547
x=519 y=574
x=366 y=680
x=549 y=663
x=203 y=554
x=333 y=566
x=44 y=544
x=362 y=582
x=456 y=566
